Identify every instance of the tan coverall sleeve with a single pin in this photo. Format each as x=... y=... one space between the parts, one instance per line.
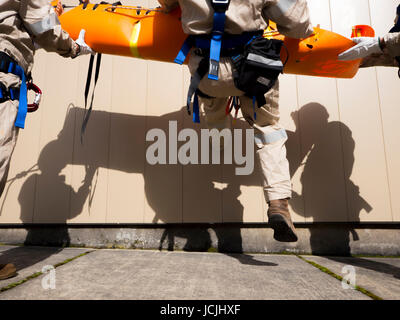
x=392 y=41
x=168 y=5
x=42 y=23
x=291 y=16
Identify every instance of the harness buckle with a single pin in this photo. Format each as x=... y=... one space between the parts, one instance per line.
x=220 y=5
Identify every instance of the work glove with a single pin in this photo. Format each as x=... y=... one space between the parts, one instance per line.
x=83 y=47
x=365 y=47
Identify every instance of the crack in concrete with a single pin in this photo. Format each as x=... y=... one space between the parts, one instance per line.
x=37 y=274
x=336 y=276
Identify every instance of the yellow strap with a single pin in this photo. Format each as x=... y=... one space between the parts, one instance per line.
x=133 y=43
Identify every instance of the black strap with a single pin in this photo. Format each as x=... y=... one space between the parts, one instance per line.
x=261 y=101
x=4 y=93
x=88 y=81
x=5 y=61
x=203 y=67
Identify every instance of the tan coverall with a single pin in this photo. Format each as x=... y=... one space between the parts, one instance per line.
x=21 y=24
x=385 y=59
x=292 y=18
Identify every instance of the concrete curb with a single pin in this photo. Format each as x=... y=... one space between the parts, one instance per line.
x=339 y=240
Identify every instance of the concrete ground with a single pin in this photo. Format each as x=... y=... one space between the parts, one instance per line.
x=83 y=274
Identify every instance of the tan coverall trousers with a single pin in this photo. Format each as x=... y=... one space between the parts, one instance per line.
x=270 y=136
x=8 y=131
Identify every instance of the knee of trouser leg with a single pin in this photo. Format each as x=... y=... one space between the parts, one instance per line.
x=267 y=116
x=216 y=117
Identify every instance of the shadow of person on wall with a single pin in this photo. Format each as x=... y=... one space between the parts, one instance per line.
x=326 y=154
x=201 y=182
x=52 y=197
x=116 y=141
x=228 y=236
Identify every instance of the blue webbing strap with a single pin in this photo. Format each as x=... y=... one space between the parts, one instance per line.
x=2 y=90
x=196 y=109
x=187 y=45
x=254 y=107
x=23 y=100
x=216 y=44
x=23 y=95
x=194 y=84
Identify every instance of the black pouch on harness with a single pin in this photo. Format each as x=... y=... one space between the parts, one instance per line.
x=258 y=68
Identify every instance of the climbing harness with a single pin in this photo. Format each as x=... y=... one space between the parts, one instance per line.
x=256 y=60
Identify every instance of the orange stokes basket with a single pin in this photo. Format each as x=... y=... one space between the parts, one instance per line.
x=154 y=35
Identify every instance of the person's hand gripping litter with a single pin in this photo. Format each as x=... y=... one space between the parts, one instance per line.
x=83 y=47
x=365 y=46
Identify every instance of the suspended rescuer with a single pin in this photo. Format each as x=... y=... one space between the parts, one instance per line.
x=23 y=23
x=225 y=41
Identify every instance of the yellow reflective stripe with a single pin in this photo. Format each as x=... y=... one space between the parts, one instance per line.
x=133 y=43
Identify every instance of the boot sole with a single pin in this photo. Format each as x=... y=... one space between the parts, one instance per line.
x=282 y=230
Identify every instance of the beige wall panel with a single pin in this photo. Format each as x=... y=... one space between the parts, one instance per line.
x=322 y=179
x=317 y=125
x=320 y=13
x=382 y=14
x=90 y=158
x=163 y=182
x=202 y=189
x=53 y=188
x=367 y=187
x=152 y=3
x=389 y=96
x=126 y=188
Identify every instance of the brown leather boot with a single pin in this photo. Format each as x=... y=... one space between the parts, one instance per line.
x=280 y=221
x=7 y=271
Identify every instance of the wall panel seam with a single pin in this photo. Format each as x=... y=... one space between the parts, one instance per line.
x=383 y=130
x=299 y=129
x=144 y=141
